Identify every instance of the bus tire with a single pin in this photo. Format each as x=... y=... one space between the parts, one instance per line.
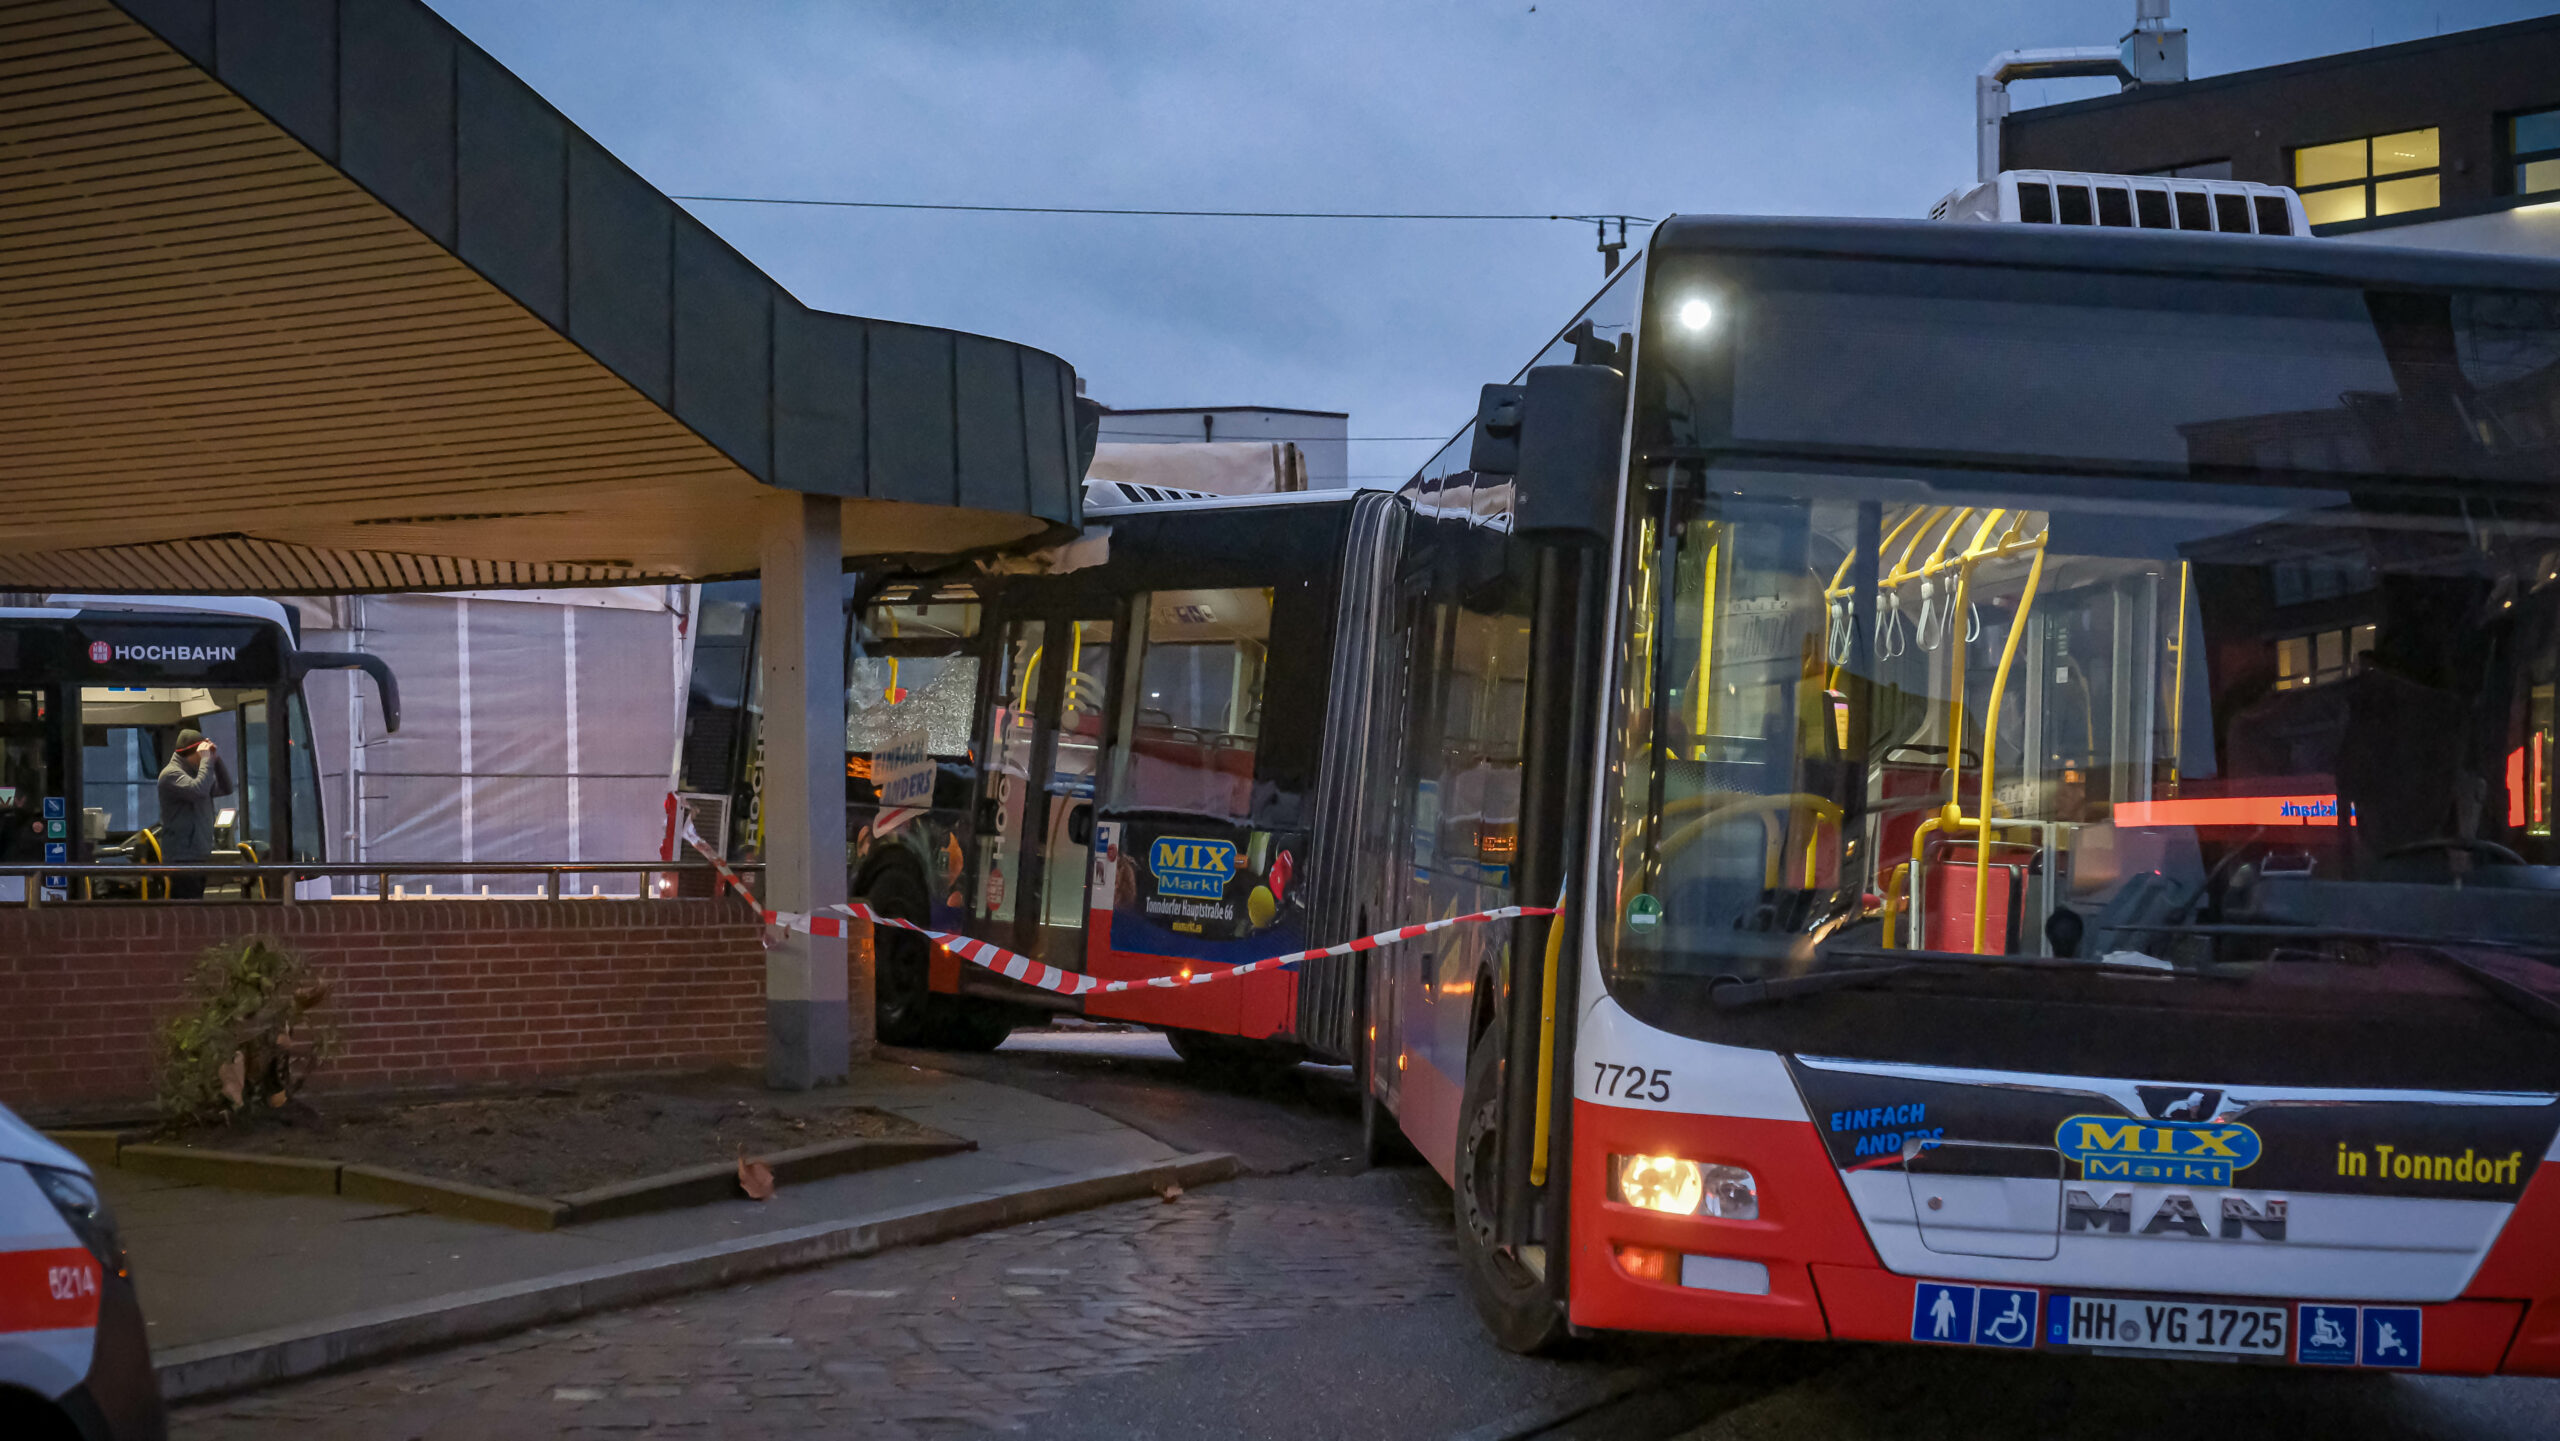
x=1234 y=1057
x=1382 y=1138
x=903 y=1003
x=1518 y=1308
x=964 y=1023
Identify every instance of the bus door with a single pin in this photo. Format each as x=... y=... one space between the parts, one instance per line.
x=127 y=735
x=34 y=809
x=1047 y=734
x=1198 y=839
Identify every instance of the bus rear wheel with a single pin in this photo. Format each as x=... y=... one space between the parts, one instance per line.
x=1518 y=1308
x=1235 y=1057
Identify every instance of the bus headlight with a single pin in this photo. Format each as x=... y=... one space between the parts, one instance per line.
x=1685 y=1188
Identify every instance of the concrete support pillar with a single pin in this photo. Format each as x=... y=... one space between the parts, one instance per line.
x=807 y=1036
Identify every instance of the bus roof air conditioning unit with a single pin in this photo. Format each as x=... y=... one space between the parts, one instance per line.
x=2128 y=202
x=1101 y=495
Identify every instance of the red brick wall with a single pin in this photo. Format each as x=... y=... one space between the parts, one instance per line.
x=421 y=992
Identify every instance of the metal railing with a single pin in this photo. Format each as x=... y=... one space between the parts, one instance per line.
x=276 y=880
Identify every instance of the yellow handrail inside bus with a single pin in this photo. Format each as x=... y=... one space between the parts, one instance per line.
x=1957 y=603
x=157 y=855
x=2177 y=688
x=1991 y=743
x=1547 y=1044
x=1951 y=818
x=1705 y=675
x=1737 y=806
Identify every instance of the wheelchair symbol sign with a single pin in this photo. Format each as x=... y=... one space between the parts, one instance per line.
x=2005 y=1318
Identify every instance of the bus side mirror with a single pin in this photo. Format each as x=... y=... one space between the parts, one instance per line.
x=1572 y=421
x=386 y=688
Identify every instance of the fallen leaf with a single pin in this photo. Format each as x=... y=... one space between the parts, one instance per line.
x=755 y=1178
x=235 y=1078
x=276 y=1101
x=1172 y=1192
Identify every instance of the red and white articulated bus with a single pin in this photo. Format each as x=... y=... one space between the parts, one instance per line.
x=2042 y=738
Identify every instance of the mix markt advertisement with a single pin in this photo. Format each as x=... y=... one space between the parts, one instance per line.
x=1201 y=890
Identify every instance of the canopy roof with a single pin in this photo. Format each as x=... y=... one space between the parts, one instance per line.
x=314 y=296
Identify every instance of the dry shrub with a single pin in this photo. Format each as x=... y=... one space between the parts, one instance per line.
x=245 y=1043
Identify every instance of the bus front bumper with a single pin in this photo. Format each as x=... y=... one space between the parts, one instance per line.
x=1803 y=1268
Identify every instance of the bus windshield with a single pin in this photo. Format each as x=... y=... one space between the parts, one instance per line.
x=2262 y=726
x=913 y=667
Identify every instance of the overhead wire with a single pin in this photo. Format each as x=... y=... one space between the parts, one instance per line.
x=1156 y=212
x=1159 y=435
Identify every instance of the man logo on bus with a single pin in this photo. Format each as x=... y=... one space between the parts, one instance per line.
x=100 y=652
x=1186 y=866
x=2119 y=1148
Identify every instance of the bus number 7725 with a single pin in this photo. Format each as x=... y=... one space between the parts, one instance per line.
x=1635 y=1083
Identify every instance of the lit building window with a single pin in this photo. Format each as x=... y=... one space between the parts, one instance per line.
x=2379 y=175
x=2533 y=151
x=2308 y=660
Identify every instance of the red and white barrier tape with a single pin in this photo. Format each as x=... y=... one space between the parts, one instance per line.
x=1073 y=983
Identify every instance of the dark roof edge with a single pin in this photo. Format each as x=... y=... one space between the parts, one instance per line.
x=195 y=30
x=2232 y=79
x=1111 y=410
x=2079 y=248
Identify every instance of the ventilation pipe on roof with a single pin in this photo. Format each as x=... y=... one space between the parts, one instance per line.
x=1991 y=89
x=2150 y=53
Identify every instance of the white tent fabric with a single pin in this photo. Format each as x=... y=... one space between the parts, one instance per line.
x=536 y=726
x=1225 y=467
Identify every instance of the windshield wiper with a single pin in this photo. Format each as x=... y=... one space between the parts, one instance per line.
x=1733 y=993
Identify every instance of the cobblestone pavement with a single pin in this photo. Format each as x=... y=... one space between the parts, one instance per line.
x=981 y=1334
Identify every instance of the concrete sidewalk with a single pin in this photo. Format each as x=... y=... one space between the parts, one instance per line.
x=215 y=1264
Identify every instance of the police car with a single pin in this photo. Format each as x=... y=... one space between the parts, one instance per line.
x=73 y=1361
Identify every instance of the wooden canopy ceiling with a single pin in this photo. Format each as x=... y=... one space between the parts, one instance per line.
x=315 y=297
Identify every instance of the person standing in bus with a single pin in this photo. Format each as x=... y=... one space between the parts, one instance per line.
x=190 y=783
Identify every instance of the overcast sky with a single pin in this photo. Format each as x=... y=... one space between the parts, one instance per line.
x=1844 y=107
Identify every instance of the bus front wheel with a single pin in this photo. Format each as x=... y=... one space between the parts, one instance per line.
x=968 y=1023
x=901 y=960
x=1517 y=1305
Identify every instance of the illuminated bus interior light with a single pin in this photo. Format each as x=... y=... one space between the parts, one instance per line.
x=2233 y=811
x=1696 y=314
